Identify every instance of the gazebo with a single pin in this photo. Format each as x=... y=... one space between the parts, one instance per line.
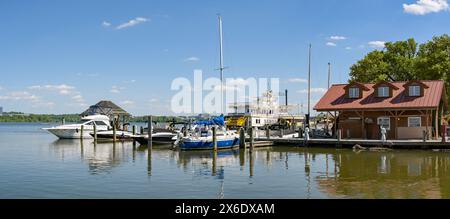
x=110 y=109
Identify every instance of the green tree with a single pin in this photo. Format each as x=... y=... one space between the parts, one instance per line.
x=394 y=63
x=433 y=60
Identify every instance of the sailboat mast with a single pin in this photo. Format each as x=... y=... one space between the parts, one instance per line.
x=309 y=82
x=221 y=64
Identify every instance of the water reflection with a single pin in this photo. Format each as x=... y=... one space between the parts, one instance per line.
x=333 y=173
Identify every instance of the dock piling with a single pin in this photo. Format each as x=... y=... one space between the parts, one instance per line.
x=81 y=131
x=150 y=125
x=142 y=130
x=268 y=132
x=251 y=139
x=114 y=133
x=242 y=138
x=214 y=132
x=134 y=130
x=95 y=132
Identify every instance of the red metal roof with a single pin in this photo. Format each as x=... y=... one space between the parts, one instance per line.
x=335 y=99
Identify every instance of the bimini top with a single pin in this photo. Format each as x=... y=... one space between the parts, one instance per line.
x=384 y=95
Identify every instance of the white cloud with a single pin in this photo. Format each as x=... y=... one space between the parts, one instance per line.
x=192 y=59
x=133 y=22
x=116 y=89
x=20 y=95
x=153 y=100
x=377 y=44
x=127 y=103
x=313 y=90
x=422 y=7
x=348 y=48
x=336 y=38
x=298 y=80
x=78 y=98
x=106 y=24
x=331 y=44
x=62 y=89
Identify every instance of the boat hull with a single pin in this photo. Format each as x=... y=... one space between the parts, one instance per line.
x=70 y=133
x=208 y=145
x=120 y=135
x=160 y=140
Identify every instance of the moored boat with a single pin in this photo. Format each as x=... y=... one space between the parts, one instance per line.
x=73 y=131
x=201 y=138
x=120 y=135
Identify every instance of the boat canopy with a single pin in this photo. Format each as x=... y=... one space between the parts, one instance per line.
x=220 y=120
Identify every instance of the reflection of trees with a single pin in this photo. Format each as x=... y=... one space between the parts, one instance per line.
x=416 y=174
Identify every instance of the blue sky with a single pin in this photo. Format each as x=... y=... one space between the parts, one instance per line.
x=62 y=56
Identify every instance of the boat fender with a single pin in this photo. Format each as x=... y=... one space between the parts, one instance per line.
x=76 y=130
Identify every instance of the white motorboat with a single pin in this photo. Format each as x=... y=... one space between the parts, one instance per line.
x=73 y=131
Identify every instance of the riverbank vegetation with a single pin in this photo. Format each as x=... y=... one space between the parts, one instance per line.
x=51 y=118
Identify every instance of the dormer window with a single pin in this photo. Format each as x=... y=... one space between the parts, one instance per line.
x=414 y=91
x=353 y=92
x=383 y=91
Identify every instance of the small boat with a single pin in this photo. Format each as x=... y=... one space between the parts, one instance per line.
x=159 y=136
x=120 y=135
x=73 y=131
x=202 y=138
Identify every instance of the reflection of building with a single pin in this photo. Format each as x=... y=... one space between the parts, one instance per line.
x=388 y=175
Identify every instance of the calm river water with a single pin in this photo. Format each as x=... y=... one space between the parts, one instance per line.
x=35 y=164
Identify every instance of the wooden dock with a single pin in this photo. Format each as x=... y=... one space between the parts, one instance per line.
x=349 y=143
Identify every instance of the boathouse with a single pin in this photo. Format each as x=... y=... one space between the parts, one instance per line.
x=406 y=110
x=110 y=109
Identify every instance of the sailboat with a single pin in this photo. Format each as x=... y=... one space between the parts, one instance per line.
x=202 y=137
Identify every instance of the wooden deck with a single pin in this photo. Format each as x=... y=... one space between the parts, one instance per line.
x=348 y=143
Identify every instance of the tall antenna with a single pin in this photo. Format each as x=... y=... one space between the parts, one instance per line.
x=221 y=63
x=329 y=74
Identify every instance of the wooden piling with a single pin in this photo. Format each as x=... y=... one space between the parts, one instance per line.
x=134 y=130
x=214 y=133
x=150 y=125
x=268 y=132
x=95 y=132
x=81 y=131
x=114 y=133
x=251 y=139
x=242 y=138
x=142 y=130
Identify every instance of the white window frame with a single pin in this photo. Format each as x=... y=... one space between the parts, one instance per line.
x=415 y=117
x=383 y=91
x=379 y=119
x=413 y=92
x=353 y=92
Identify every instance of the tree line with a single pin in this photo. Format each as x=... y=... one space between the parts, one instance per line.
x=70 y=118
x=406 y=60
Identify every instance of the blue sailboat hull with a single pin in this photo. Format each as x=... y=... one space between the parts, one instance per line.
x=208 y=145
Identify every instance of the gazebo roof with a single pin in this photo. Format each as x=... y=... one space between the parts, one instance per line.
x=106 y=107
